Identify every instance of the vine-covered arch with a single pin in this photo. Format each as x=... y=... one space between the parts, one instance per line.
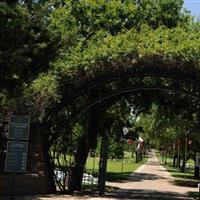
x=75 y=66
x=93 y=92
x=119 y=82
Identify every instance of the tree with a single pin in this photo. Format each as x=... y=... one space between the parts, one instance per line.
x=30 y=48
x=55 y=46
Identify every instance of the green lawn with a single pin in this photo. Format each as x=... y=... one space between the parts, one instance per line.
x=116 y=169
x=181 y=179
x=175 y=172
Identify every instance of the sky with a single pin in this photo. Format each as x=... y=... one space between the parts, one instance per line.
x=193 y=6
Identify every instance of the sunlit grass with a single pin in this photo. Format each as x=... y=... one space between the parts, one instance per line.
x=175 y=171
x=194 y=195
x=181 y=179
x=116 y=169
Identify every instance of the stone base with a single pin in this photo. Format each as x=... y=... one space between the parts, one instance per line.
x=24 y=184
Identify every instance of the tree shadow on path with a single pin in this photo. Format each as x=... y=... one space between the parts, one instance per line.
x=145 y=194
x=138 y=177
x=135 y=177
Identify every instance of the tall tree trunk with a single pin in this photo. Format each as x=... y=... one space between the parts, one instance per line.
x=173 y=155
x=174 y=160
x=165 y=155
x=196 y=172
x=136 y=156
x=80 y=160
x=162 y=154
x=38 y=161
x=103 y=163
x=178 y=159
x=47 y=162
x=84 y=146
x=183 y=164
x=196 y=169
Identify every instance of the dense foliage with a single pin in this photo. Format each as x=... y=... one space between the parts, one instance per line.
x=109 y=33
x=47 y=48
x=71 y=37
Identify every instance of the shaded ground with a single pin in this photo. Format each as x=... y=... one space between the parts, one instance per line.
x=150 y=181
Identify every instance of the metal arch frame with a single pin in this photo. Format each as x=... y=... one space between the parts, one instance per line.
x=103 y=80
x=87 y=86
x=124 y=91
x=121 y=91
x=116 y=78
x=130 y=90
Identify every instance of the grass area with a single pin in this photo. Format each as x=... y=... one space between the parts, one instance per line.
x=176 y=172
x=181 y=179
x=194 y=195
x=116 y=169
x=115 y=173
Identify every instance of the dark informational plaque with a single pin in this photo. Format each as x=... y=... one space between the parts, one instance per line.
x=19 y=127
x=16 y=156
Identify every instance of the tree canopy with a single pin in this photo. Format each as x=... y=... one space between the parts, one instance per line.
x=53 y=50
x=49 y=47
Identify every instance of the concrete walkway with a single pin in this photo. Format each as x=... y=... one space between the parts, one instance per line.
x=150 y=181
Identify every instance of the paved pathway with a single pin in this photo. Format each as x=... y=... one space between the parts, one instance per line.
x=150 y=181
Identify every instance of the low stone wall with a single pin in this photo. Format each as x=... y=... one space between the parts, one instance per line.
x=24 y=184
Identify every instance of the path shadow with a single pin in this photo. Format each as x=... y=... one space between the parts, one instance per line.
x=186 y=183
x=145 y=194
x=138 y=177
x=117 y=176
x=27 y=197
x=152 y=163
x=135 y=177
x=126 y=194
